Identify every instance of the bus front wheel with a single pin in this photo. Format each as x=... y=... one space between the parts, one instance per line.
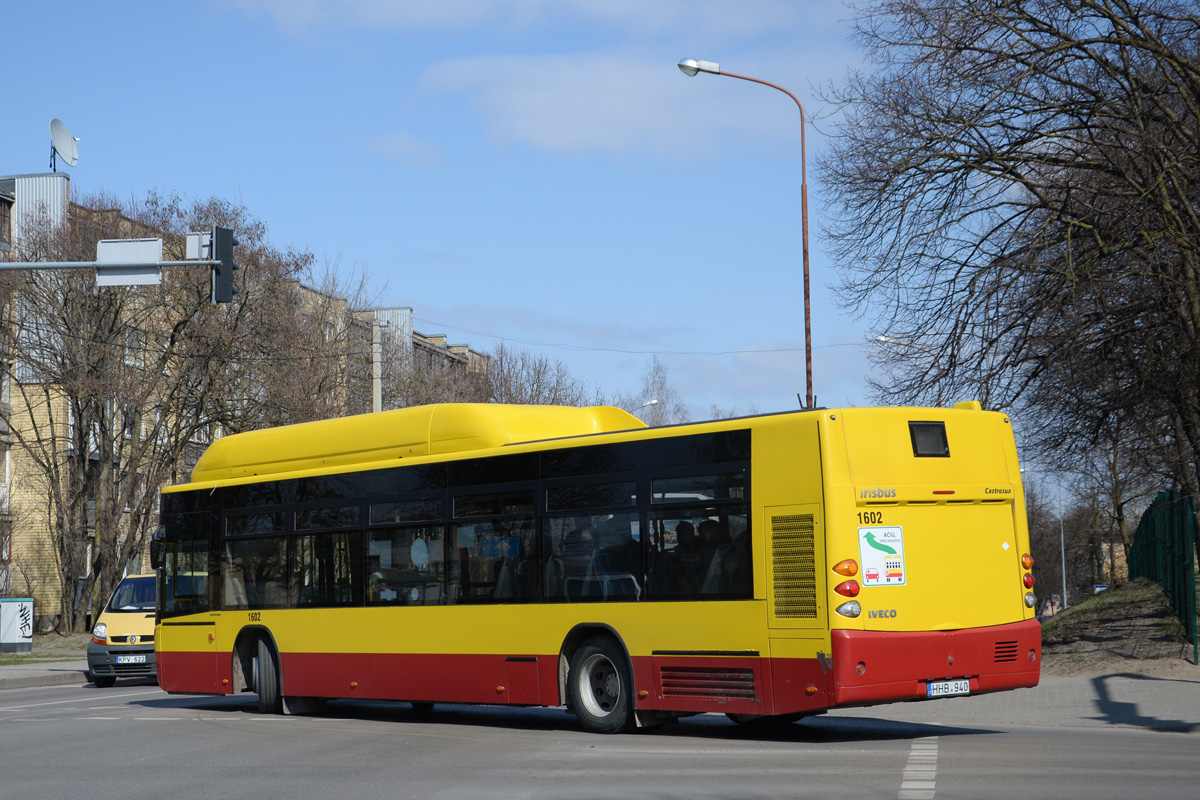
x=600 y=688
x=270 y=700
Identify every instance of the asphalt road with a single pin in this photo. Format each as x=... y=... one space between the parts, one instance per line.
x=133 y=741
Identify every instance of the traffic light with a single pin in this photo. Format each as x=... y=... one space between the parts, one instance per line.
x=223 y=242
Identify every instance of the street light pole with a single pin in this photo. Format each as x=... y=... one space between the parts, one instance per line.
x=691 y=67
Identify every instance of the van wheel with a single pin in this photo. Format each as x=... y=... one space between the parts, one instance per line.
x=599 y=687
x=104 y=681
x=270 y=700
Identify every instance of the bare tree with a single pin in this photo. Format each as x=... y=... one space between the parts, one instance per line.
x=114 y=389
x=1019 y=194
x=524 y=377
x=658 y=403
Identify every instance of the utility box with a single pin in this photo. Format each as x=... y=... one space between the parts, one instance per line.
x=16 y=624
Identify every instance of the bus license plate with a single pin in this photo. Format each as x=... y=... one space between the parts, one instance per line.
x=947 y=688
x=131 y=659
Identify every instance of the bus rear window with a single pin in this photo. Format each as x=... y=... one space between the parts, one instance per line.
x=929 y=439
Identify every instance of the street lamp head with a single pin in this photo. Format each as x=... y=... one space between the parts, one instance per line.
x=886 y=339
x=690 y=66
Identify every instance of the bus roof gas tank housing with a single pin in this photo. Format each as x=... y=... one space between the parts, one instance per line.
x=937 y=522
x=439 y=429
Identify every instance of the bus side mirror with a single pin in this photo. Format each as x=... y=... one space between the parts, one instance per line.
x=156 y=547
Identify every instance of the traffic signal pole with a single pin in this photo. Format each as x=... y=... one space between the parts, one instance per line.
x=115 y=271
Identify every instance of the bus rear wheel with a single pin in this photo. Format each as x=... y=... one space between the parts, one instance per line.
x=270 y=699
x=600 y=688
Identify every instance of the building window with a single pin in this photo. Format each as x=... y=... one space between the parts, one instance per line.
x=5 y=224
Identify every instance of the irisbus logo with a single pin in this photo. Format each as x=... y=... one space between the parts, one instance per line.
x=875 y=493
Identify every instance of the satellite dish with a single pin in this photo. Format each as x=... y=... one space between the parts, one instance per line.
x=62 y=143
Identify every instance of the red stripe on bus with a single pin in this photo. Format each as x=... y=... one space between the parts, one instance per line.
x=736 y=685
x=182 y=671
x=898 y=665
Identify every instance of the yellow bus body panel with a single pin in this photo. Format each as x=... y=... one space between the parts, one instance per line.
x=958 y=521
x=401 y=434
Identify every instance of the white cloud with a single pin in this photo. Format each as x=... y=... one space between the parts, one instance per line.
x=406 y=149
x=605 y=103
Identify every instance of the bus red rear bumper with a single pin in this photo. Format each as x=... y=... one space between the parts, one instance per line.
x=877 y=666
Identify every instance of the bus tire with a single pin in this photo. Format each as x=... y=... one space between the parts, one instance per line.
x=270 y=699
x=599 y=687
x=104 y=681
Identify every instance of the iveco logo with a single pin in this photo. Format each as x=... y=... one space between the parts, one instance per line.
x=878 y=493
x=133 y=639
x=883 y=612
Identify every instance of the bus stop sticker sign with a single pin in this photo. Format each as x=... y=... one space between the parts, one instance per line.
x=881 y=551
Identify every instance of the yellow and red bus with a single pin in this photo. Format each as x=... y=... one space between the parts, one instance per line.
x=767 y=567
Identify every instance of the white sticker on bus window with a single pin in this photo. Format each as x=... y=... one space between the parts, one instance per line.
x=419 y=554
x=881 y=551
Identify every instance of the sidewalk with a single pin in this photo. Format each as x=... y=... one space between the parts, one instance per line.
x=48 y=673
x=1119 y=699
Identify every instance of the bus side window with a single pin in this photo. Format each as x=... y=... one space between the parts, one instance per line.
x=324 y=569
x=254 y=572
x=496 y=561
x=406 y=566
x=694 y=556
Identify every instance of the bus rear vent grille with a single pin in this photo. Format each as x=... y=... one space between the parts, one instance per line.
x=1005 y=652
x=793 y=558
x=712 y=683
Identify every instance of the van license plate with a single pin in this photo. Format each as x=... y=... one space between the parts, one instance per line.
x=947 y=688
x=141 y=660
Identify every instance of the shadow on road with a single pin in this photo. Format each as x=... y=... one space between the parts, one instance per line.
x=815 y=729
x=1116 y=712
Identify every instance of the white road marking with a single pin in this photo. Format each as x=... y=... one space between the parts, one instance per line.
x=920 y=773
x=76 y=701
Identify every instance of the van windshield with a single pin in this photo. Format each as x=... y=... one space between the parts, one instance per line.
x=134 y=594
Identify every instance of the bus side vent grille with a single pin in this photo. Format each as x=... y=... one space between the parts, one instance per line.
x=1006 y=651
x=712 y=683
x=793 y=557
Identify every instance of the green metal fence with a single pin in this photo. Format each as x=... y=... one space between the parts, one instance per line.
x=1163 y=552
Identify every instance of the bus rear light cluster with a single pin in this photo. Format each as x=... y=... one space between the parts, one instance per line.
x=847 y=568
x=1027 y=580
x=851 y=609
x=847 y=588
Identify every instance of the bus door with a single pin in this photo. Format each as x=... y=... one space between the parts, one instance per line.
x=796 y=608
x=187 y=643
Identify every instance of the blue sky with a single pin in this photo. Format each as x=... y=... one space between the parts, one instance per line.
x=533 y=171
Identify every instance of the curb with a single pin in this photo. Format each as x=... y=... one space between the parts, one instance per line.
x=64 y=678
